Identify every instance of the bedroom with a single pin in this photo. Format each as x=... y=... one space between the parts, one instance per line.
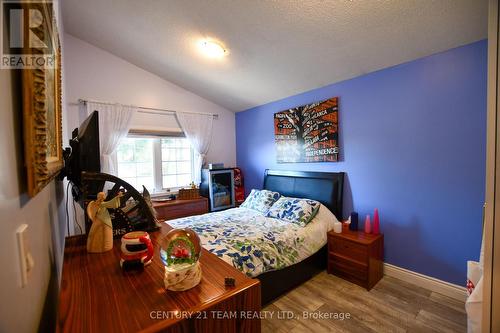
x=206 y=92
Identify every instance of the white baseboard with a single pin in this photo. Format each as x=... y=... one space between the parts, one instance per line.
x=427 y=282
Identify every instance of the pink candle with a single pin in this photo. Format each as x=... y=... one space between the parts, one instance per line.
x=376 y=222
x=368 y=226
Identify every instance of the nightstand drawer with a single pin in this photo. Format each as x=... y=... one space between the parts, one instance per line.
x=348 y=249
x=343 y=264
x=359 y=280
x=175 y=212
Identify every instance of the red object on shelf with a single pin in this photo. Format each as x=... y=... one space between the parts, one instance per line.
x=239 y=189
x=368 y=226
x=376 y=222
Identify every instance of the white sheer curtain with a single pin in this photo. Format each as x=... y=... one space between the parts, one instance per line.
x=114 y=124
x=198 y=130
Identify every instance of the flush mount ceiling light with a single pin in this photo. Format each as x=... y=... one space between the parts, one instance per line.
x=212 y=49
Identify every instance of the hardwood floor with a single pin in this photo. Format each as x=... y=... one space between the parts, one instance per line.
x=391 y=306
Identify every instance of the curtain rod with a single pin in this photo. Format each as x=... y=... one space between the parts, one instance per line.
x=144 y=109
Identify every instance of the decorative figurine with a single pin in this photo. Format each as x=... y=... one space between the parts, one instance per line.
x=180 y=252
x=147 y=198
x=100 y=237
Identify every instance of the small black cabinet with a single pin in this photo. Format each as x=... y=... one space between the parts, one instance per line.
x=218 y=186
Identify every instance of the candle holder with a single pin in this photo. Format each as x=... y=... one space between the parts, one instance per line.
x=368 y=225
x=376 y=222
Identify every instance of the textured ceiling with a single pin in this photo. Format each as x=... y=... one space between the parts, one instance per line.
x=276 y=48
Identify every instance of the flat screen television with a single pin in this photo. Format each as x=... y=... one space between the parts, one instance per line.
x=84 y=154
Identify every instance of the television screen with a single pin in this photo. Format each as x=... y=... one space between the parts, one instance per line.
x=85 y=153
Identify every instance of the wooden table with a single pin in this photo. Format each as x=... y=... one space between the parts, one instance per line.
x=356 y=256
x=173 y=209
x=97 y=296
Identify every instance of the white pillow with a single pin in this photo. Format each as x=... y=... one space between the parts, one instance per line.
x=294 y=210
x=260 y=200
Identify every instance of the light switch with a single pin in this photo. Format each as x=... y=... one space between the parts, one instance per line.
x=25 y=259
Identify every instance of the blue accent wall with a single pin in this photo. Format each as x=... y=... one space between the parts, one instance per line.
x=413 y=144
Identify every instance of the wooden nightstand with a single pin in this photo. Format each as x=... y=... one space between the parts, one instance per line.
x=356 y=256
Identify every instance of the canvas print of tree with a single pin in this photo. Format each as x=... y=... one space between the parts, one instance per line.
x=307 y=133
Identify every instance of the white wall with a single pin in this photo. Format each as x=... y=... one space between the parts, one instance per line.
x=93 y=73
x=33 y=307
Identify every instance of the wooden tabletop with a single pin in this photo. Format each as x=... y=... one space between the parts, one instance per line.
x=97 y=296
x=357 y=236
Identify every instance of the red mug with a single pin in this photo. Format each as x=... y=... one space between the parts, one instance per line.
x=136 y=248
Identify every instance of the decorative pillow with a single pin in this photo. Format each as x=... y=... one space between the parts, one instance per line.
x=294 y=210
x=260 y=200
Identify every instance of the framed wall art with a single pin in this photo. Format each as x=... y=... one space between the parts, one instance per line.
x=42 y=105
x=307 y=133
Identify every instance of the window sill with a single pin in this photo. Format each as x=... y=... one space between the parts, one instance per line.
x=165 y=193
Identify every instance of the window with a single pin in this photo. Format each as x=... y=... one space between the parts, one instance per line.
x=136 y=162
x=158 y=163
x=176 y=160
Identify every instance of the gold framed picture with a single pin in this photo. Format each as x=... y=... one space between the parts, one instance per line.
x=42 y=106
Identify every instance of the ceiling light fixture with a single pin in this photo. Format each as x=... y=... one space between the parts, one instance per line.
x=212 y=49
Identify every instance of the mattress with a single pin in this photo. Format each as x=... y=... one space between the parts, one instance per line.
x=256 y=244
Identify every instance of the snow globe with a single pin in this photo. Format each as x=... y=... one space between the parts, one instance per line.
x=180 y=253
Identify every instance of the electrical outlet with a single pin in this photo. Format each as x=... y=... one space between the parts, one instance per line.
x=25 y=259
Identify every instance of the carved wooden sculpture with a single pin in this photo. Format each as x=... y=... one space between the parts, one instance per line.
x=100 y=237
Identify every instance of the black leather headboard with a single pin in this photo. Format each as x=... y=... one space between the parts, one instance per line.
x=325 y=187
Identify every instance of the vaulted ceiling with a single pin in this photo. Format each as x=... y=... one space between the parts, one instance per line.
x=276 y=48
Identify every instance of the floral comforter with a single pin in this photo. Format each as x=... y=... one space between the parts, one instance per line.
x=256 y=244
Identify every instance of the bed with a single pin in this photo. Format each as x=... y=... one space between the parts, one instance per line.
x=280 y=254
